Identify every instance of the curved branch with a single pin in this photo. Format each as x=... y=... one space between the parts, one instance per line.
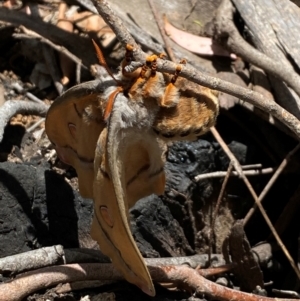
x=13 y=107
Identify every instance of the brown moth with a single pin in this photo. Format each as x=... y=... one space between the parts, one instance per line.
x=112 y=131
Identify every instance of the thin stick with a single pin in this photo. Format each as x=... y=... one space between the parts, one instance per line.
x=159 y=23
x=238 y=168
x=35 y=125
x=221 y=174
x=212 y=228
x=271 y=182
x=16 y=86
x=251 y=166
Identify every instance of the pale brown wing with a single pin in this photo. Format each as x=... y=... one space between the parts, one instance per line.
x=128 y=166
x=73 y=124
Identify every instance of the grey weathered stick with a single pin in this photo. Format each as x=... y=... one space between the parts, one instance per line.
x=32 y=260
x=21 y=90
x=12 y=107
x=221 y=174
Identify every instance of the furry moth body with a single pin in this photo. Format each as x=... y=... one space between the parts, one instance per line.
x=121 y=159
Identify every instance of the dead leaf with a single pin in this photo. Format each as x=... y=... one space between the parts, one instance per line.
x=196 y=44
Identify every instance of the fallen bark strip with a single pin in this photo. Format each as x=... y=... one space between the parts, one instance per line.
x=30 y=282
x=13 y=107
x=274 y=27
x=228 y=35
x=193 y=75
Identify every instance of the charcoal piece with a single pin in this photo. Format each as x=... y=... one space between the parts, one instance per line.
x=240 y=151
x=155 y=224
x=38 y=208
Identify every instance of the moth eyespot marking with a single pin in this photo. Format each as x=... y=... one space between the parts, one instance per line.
x=168 y=135
x=106 y=216
x=72 y=129
x=185 y=133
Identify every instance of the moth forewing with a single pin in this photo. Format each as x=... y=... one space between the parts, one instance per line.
x=110 y=223
x=128 y=166
x=73 y=124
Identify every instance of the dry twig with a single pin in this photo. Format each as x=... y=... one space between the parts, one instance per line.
x=271 y=182
x=16 y=86
x=238 y=168
x=212 y=228
x=162 y=31
x=221 y=174
x=52 y=67
x=77 y=46
x=32 y=260
x=60 y=49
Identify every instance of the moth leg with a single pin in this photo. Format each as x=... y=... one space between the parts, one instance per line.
x=155 y=84
x=171 y=95
x=144 y=76
x=127 y=61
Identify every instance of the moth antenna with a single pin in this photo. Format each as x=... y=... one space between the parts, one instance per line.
x=110 y=102
x=102 y=61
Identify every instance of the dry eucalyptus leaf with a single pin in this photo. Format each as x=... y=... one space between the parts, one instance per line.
x=196 y=44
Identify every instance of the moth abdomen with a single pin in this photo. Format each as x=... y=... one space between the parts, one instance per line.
x=192 y=117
